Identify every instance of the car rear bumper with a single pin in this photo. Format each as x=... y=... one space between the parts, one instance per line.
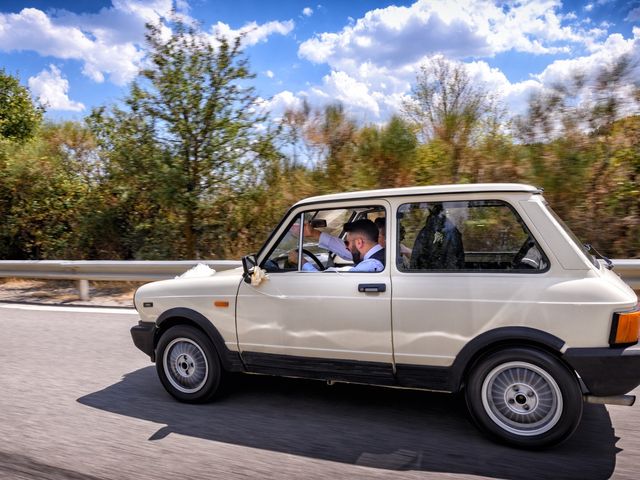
x=606 y=371
x=143 y=337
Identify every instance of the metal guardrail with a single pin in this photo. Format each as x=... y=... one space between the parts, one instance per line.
x=84 y=271
x=146 y=271
x=106 y=270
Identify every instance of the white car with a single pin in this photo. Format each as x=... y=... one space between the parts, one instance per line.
x=484 y=292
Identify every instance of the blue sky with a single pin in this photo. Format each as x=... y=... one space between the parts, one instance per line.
x=75 y=55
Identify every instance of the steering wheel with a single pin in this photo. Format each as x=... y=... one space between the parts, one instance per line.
x=315 y=259
x=515 y=263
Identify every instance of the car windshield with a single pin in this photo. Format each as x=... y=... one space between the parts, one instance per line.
x=573 y=237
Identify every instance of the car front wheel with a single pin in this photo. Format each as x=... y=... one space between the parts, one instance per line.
x=524 y=397
x=188 y=364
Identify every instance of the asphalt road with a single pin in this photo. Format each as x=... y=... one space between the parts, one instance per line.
x=79 y=401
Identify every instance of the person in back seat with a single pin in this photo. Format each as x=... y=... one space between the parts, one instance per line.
x=438 y=245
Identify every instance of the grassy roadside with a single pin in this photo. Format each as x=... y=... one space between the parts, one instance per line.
x=65 y=292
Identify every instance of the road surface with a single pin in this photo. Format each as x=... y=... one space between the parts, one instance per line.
x=79 y=401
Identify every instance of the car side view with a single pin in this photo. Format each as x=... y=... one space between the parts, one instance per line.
x=479 y=290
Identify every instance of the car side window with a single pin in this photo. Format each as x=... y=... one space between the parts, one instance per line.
x=324 y=246
x=328 y=221
x=486 y=235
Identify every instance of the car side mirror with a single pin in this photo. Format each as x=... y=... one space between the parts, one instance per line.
x=248 y=264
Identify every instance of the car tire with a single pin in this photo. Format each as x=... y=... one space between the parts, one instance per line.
x=524 y=397
x=188 y=365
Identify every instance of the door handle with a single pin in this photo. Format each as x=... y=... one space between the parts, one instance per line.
x=372 y=287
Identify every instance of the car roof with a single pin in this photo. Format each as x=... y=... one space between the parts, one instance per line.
x=425 y=190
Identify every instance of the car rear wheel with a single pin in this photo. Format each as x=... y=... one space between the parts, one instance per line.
x=524 y=397
x=188 y=364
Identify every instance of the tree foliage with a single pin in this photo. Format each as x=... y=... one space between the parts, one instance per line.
x=188 y=167
x=446 y=106
x=186 y=138
x=19 y=116
x=42 y=194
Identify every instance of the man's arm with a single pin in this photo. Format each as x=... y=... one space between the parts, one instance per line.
x=368 y=265
x=335 y=245
x=326 y=241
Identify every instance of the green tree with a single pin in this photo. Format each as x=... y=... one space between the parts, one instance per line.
x=386 y=155
x=447 y=106
x=132 y=214
x=580 y=140
x=200 y=118
x=42 y=198
x=19 y=115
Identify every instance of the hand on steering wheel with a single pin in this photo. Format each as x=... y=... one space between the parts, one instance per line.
x=309 y=254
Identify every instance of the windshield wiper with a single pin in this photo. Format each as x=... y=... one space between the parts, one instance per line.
x=591 y=249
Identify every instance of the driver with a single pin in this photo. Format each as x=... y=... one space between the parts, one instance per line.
x=362 y=244
x=337 y=245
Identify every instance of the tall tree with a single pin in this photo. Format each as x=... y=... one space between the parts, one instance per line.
x=194 y=102
x=447 y=106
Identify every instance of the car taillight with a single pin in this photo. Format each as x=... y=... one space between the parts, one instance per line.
x=625 y=328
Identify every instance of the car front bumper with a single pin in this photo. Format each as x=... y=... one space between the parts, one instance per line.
x=606 y=371
x=143 y=336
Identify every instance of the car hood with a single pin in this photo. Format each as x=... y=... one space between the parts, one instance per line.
x=224 y=283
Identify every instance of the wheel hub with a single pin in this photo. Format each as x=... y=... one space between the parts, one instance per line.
x=522 y=398
x=185 y=365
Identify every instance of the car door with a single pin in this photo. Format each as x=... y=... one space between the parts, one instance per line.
x=318 y=324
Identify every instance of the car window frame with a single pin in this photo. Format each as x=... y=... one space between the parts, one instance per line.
x=297 y=214
x=518 y=217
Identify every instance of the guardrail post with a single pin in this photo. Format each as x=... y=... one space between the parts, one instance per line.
x=83 y=289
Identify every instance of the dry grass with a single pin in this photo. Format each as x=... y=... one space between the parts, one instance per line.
x=66 y=292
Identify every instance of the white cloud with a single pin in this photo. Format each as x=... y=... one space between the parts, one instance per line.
x=51 y=89
x=605 y=55
x=353 y=93
x=373 y=61
x=372 y=93
x=67 y=37
x=633 y=16
x=254 y=33
x=588 y=7
x=399 y=35
x=269 y=74
x=307 y=11
x=110 y=43
x=281 y=102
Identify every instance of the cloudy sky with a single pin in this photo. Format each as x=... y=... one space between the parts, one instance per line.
x=75 y=55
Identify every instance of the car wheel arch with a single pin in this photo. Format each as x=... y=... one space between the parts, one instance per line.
x=501 y=338
x=185 y=316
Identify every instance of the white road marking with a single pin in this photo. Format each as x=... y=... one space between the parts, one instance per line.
x=57 y=308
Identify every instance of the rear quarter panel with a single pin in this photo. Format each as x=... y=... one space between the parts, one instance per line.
x=435 y=314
